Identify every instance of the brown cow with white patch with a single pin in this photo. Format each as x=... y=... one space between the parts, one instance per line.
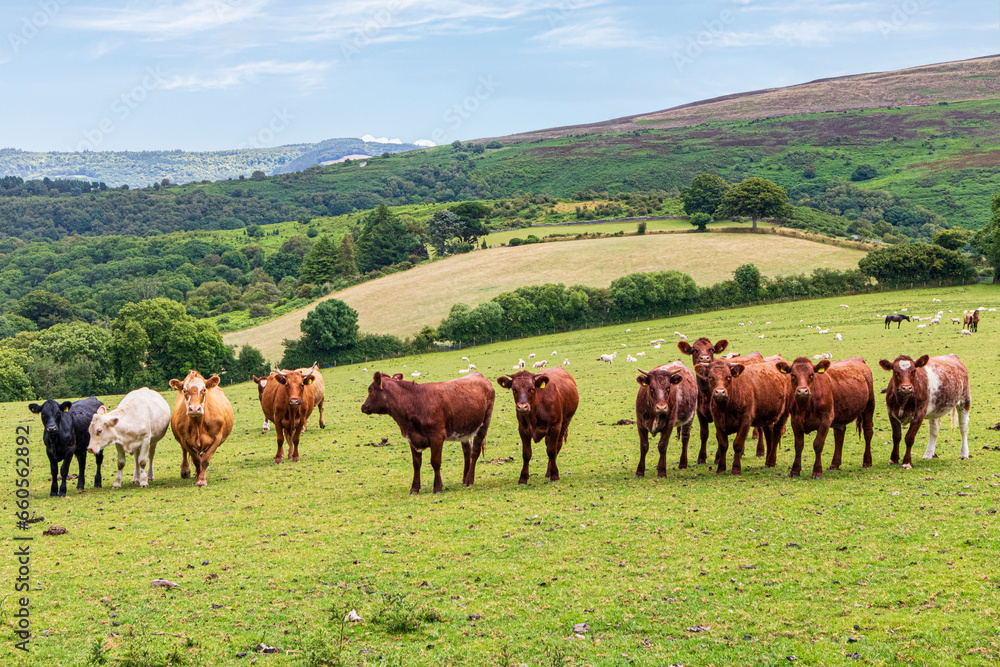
x=829 y=395
x=702 y=351
x=545 y=405
x=288 y=402
x=743 y=397
x=201 y=421
x=926 y=388
x=667 y=398
x=429 y=414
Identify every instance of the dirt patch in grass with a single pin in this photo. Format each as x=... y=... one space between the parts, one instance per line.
x=964 y=160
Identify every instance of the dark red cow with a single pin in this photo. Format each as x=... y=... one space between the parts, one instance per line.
x=927 y=388
x=829 y=395
x=703 y=352
x=430 y=413
x=667 y=398
x=743 y=397
x=286 y=402
x=545 y=405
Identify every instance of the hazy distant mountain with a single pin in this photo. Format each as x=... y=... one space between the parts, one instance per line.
x=142 y=168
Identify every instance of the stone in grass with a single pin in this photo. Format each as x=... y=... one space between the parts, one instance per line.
x=55 y=530
x=157 y=583
x=699 y=628
x=581 y=628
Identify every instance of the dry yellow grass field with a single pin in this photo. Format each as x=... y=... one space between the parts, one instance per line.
x=404 y=302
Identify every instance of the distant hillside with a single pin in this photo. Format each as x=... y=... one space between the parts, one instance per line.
x=142 y=168
x=974 y=79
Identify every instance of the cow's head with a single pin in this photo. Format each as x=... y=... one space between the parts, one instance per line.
x=658 y=383
x=295 y=383
x=52 y=415
x=718 y=376
x=523 y=385
x=802 y=373
x=194 y=388
x=378 y=400
x=103 y=431
x=904 y=368
x=702 y=351
x=261 y=382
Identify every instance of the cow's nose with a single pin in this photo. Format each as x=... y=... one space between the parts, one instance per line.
x=523 y=407
x=51 y=429
x=906 y=388
x=661 y=407
x=704 y=360
x=802 y=392
x=295 y=401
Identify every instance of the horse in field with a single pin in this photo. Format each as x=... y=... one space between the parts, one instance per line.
x=889 y=319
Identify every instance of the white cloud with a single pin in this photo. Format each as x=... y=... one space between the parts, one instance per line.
x=165 y=20
x=599 y=33
x=380 y=140
x=426 y=143
x=307 y=74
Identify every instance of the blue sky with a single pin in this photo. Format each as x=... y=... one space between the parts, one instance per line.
x=217 y=74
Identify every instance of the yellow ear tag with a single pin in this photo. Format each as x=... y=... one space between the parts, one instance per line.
x=821 y=370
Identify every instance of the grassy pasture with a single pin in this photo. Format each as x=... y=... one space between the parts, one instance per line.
x=902 y=561
x=498 y=238
x=403 y=302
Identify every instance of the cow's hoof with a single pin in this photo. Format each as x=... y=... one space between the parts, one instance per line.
x=97 y=483
x=414 y=492
x=143 y=485
x=295 y=459
x=640 y=475
x=817 y=475
x=794 y=473
x=680 y=466
x=834 y=466
x=866 y=464
x=737 y=471
x=185 y=474
x=907 y=466
x=53 y=494
x=522 y=481
x=701 y=463
x=116 y=486
x=438 y=490
x=322 y=424
x=661 y=474
x=277 y=460
x=201 y=483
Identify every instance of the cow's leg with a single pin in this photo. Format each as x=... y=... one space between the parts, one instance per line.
x=54 y=468
x=206 y=458
x=280 y=433
x=722 y=448
x=911 y=435
x=685 y=434
x=117 y=484
x=703 y=434
x=152 y=454
x=759 y=434
x=818 y=443
x=99 y=459
x=661 y=447
x=868 y=429
x=185 y=466
x=81 y=460
x=800 y=443
x=417 y=460
x=437 y=451
x=552 y=446
x=963 y=427
x=933 y=427
x=467 y=455
x=640 y=470
x=897 y=435
x=64 y=472
x=772 y=436
x=738 y=442
x=838 y=448
x=525 y=457
x=141 y=463
x=293 y=443
x=322 y=421
x=265 y=427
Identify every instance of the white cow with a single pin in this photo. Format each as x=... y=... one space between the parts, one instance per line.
x=135 y=426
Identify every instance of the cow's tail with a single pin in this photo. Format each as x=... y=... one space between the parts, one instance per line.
x=860 y=433
x=954 y=417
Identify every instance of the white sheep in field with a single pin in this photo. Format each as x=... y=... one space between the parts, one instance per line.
x=656 y=347
x=683 y=337
x=607 y=358
x=472 y=367
x=921 y=326
x=465 y=358
x=517 y=368
x=732 y=354
x=463 y=370
x=824 y=331
x=742 y=324
x=956 y=320
x=630 y=358
x=991 y=310
x=628 y=331
x=760 y=336
x=415 y=374
x=640 y=354
x=520 y=363
x=838 y=337
x=935 y=300
x=364 y=370
x=828 y=355
x=531 y=356
x=539 y=364
x=554 y=354
x=565 y=362
x=766 y=323
x=817 y=357
x=624 y=344
x=903 y=309
x=677 y=333
x=843 y=305
x=966 y=332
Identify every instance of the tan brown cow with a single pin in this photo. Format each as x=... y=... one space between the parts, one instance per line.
x=288 y=403
x=926 y=388
x=667 y=398
x=318 y=389
x=702 y=351
x=429 y=414
x=545 y=405
x=829 y=395
x=202 y=419
x=743 y=397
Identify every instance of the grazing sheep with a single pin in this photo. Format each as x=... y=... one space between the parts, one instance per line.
x=566 y=362
x=640 y=354
x=935 y=300
x=828 y=355
x=520 y=363
x=554 y=353
x=465 y=358
x=766 y=323
x=531 y=356
x=677 y=333
x=628 y=331
x=540 y=364
x=760 y=336
x=415 y=374
x=845 y=306
x=838 y=337
x=656 y=347
x=630 y=358
x=624 y=344
x=607 y=358
x=732 y=354
x=921 y=326
x=463 y=370
x=903 y=309
x=364 y=370
x=683 y=337
x=817 y=357
x=472 y=367
x=991 y=310
x=742 y=324
x=966 y=332
x=956 y=320
x=824 y=331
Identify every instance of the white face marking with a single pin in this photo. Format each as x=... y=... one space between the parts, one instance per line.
x=263 y=383
x=904 y=365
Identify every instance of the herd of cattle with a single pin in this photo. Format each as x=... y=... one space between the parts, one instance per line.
x=738 y=393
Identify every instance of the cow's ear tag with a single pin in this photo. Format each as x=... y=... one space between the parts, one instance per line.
x=821 y=370
x=65 y=408
x=783 y=370
x=541 y=385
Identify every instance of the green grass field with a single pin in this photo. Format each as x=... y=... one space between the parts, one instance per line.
x=402 y=303
x=883 y=565
x=570 y=231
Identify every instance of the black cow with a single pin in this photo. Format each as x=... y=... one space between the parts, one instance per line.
x=66 y=435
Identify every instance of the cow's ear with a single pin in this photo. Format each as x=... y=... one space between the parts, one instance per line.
x=783 y=367
x=822 y=366
x=736 y=369
x=676 y=378
x=35 y=407
x=685 y=347
x=397 y=376
x=212 y=382
x=885 y=364
x=280 y=378
x=308 y=379
x=505 y=381
x=256 y=380
x=101 y=410
x=377 y=380
x=177 y=384
x=721 y=346
x=643 y=380
x=541 y=381
x=66 y=405
x=111 y=423
x=922 y=361
x=701 y=370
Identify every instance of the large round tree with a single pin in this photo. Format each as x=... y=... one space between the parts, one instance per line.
x=704 y=194
x=755 y=198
